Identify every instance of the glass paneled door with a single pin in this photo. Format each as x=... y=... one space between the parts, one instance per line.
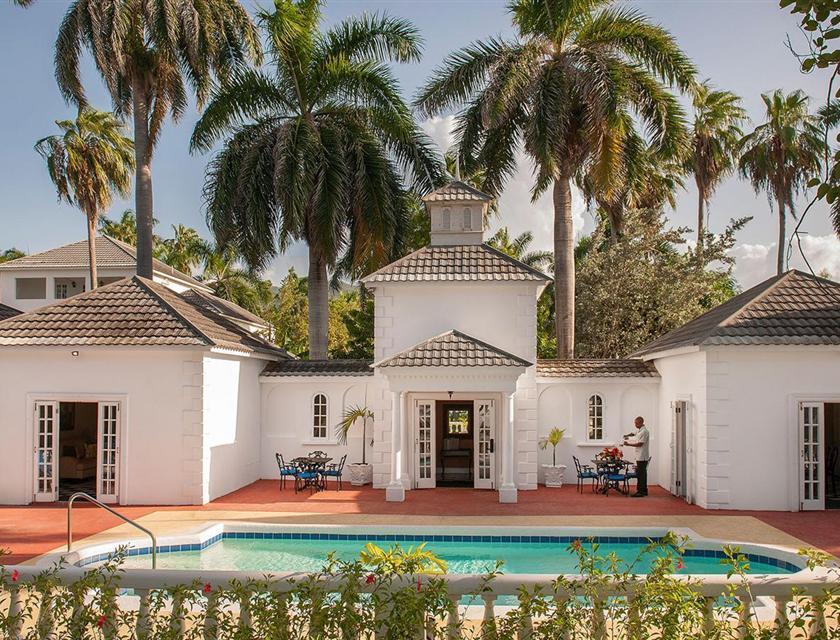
x=485 y=444
x=108 y=449
x=46 y=443
x=811 y=468
x=425 y=470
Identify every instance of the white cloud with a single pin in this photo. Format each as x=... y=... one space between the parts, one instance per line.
x=757 y=262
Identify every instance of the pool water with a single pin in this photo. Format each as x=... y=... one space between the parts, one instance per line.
x=462 y=557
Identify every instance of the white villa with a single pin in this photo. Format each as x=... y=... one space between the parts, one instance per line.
x=159 y=393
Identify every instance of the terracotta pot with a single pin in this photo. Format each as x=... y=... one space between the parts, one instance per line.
x=554 y=475
x=360 y=474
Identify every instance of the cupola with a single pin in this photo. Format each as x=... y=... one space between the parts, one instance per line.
x=457 y=213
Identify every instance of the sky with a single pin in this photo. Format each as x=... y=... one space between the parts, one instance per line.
x=739 y=44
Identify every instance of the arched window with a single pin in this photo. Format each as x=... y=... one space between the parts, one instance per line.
x=467 y=219
x=319 y=416
x=596 y=418
x=445 y=222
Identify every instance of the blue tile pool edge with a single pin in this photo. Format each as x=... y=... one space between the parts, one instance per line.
x=375 y=537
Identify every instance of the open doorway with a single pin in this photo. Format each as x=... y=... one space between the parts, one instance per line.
x=77 y=448
x=832 y=453
x=455 y=431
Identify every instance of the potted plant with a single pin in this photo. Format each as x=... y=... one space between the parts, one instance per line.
x=361 y=473
x=553 y=472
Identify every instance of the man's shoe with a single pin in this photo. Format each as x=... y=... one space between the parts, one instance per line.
x=638 y=495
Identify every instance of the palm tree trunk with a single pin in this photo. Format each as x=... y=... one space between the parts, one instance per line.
x=701 y=216
x=91 y=229
x=780 y=254
x=564 y=268
x=142 y=178
x=319 y=305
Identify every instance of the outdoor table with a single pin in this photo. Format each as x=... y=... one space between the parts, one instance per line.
x=610 y=467
x=314 y=465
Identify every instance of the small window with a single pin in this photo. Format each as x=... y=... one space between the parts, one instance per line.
x=60 y=291
x=596 y=418
x=445 y=221
x=319 y=416
x=467 y=219
x=31 y=288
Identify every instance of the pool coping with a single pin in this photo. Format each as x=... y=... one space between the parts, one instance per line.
x=205 y=534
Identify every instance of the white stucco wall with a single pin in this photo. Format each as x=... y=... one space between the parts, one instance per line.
x=156 y=387
x=287 y=418
x=563 y=403
x=8 y=292
x=231 y=423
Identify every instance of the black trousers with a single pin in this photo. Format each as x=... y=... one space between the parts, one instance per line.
x=641 y=477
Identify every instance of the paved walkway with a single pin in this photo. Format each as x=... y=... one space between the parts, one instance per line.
x=36 y=529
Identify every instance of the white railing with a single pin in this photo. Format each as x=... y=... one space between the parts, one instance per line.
x=781 y=595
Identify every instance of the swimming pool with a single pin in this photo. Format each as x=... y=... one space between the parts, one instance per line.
x=467 y=551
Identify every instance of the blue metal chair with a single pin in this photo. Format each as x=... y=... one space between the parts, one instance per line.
x=286 y=470
x=615 y=478
x=585 y=472
x=334 y=471
x=629 y=474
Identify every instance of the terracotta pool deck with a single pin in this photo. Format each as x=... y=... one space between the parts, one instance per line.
x=30 y=531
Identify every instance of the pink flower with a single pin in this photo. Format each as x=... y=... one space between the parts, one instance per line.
x=15 y=575
x=679 y=564
x=207 y=587
x=101 y=622
x=576 y=544
x=370 y=579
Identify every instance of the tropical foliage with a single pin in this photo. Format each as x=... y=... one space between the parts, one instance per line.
x=353 y=414
x=554 y=437
x=782 y=155
x=11 y=254
x=89 y=162
x=148 y=55
x=519 y=248
x=319 y=150
x=568 y=88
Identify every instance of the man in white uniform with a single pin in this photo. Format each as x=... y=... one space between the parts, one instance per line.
x=642 y=445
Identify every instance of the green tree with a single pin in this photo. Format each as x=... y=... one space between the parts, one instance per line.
x=782 y=155
x=352 y=314
x=124 y=230
x=565 y=88
x=89 y=162
x=290 y=313
x=518 y=248
x=11 y=254
x=319 y=149
x=716 y=136
x=185 y=250
x=228 y=280
x=148 y=54
x=631 y=293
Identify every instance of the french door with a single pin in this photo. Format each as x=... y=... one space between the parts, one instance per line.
x=679 y=450
x=811 y=469
x=484 y=459
x=108 y=452
x=46 y=445
x=425 y=465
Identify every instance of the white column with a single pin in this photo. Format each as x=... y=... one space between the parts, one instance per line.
x=507 y=492
x=395 y=492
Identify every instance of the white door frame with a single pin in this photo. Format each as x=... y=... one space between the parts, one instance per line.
x=58 y=397
x=424 y=408
x=794 y=453
x=478 y=482
x=108 y=448
x=46 y=411
x=812 y=452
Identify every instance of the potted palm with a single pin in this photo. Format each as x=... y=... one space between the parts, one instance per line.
x=361 y=473
x=553 y=472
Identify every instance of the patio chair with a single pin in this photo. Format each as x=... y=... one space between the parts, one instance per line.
x=334 y=471
x=615 y=478
x=629 y=474
x=585 y=472
x=286 y=470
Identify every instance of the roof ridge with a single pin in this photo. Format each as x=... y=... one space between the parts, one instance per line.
x=516 y=261
x=489 y=346
x=455 y=332
x=126 y=248
x=757 y=298
x=150 y=290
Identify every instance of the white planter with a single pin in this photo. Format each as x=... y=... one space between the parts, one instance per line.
x=360 y=474
x=554 y=475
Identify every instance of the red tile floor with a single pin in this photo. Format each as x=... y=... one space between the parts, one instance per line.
x=32 y=530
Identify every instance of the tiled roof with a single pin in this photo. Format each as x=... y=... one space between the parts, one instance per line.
x=457 y=190
x=7 y=312
x=131 y=312
x=222 y=306
x=477 y=262
x=453 y=349
x=110 y=254
x=795 y=308
x=614 y=368
x=313 y=368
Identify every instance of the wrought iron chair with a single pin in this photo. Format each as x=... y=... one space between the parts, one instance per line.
x=318 y=454
x=585 y=472
x=334 y=471
x=629 y=474
x=615 y=478
x=286 y=470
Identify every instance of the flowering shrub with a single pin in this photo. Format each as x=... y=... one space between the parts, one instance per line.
x=610 y=453
x=366 y=600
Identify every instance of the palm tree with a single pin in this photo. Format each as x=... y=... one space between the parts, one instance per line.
x=517 y=248
x=564 y=89
x=782 y=154
x=185 y=250
x=124 y=230
x=320 y=147
x=716 y=135
x=148 y=53
x=229 y=281
x=89 y=162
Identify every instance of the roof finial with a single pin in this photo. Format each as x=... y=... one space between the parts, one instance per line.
x=458 y=167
